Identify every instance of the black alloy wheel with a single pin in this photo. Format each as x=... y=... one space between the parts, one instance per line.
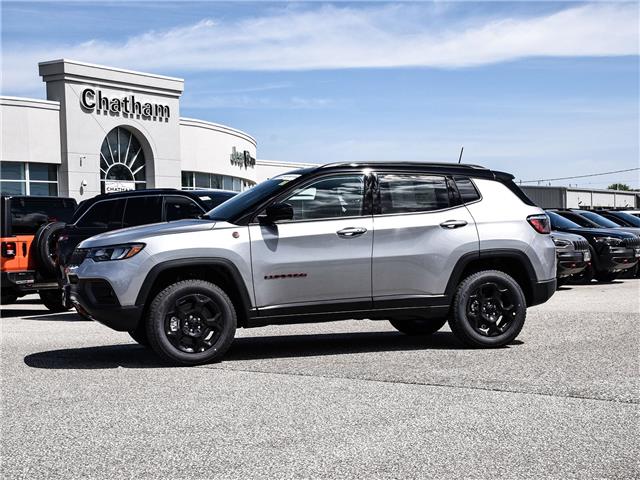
x=191 y=322
x=194 y=324
x=491 y=308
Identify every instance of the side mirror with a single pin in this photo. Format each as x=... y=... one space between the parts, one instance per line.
x=278 y=211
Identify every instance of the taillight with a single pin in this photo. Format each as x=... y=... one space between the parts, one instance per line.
x=540 y=223
x=8 y=249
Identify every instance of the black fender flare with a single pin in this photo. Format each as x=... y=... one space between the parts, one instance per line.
x=210 y=262
x=489 y=254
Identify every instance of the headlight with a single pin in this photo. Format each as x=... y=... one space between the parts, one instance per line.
x=611 y=241
x=115 y=252
x=561 y=243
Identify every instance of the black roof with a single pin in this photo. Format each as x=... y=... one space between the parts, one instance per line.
x=439 y=167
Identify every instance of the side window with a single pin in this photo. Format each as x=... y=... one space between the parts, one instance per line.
x=333 y=197
x=105 y=215
x=176 y=208
x=467 y=189
x=142 y=210
x=407 y=192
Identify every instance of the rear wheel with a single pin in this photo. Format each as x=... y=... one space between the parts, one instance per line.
x=52 y=299
x=191 y=322
x=418 y=326
x=489 y=309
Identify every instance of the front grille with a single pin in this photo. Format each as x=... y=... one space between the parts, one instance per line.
x=631 y=242
x=581 y=245
x=78 y=256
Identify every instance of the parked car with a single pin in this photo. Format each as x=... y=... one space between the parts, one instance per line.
x=623 y=219
x=416 y=244
x=612 y=251
x=30 y=226
x=573 y=252
x=139 y=207
x=588 y=219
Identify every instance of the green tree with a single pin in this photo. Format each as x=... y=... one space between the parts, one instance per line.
x=619 y=186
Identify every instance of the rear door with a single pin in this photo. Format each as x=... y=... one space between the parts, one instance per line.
x=421 y=230
x=322 y=255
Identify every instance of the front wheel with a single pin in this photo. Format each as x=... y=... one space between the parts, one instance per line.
x=191 y=322
x=489 y=310
x=606 y=277
x=418 y=326
x=52 y=299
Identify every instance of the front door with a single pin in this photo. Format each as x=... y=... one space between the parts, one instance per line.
x=322 y=255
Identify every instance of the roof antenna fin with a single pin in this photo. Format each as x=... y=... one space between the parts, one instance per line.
x=460 y=157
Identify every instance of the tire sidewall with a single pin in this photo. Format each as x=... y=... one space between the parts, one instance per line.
x=460 y=309
x=165 y=301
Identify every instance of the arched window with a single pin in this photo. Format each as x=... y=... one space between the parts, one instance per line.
x=122 y=162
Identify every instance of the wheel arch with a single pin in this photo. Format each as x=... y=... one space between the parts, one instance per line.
x=510 y=261
x=219 y=271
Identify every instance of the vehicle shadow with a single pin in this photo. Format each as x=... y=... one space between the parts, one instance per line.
x=249 y=348
x=28 y=314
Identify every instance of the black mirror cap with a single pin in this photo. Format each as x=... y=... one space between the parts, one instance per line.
x=278 y=211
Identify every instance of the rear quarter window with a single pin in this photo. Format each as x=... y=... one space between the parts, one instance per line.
x=468 y=191
x=29 y=213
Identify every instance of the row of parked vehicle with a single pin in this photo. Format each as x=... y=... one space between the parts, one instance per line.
x=600 y=245
x=415 y=244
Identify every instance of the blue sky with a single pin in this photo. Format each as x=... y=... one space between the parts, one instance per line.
x=539 y=89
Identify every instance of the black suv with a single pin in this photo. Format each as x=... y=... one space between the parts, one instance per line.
x=30 y=226
x=612 y=251
x=113 y=211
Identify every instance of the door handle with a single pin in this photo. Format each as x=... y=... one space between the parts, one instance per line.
x=453 y=224
x=351 y=232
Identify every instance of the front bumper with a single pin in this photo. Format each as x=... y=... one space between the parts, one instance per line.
x=94 y=299
x=572 y=262
x=25 y=282
x=618 y=259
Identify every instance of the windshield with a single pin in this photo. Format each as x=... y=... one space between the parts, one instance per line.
x=558 y=221
x=600 y=220
x=236 y=205
x=627 y=217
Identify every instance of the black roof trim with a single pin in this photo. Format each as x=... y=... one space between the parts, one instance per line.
x=440 y=167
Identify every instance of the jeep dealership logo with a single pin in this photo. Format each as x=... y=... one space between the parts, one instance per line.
x=242 y=158
x=92 y=100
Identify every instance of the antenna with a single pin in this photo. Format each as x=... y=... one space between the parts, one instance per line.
x=460 y=158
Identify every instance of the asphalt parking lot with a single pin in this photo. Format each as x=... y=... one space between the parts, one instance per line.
x=338 y=400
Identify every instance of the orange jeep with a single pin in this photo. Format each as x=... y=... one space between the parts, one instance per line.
x=29 y=228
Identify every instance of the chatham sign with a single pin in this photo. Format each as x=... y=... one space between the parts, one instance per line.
x=93 y=100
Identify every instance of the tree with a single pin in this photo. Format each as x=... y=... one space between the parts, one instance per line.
x=619 y=186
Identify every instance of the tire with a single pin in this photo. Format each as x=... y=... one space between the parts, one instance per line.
x=418 y=326
x=606 y=277
x=174 y=328
x=45 y=248
x=468 y=327
x=140 y=335
x=52 y=299
x=8 y=298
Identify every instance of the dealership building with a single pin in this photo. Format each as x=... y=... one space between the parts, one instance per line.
x=104 y=129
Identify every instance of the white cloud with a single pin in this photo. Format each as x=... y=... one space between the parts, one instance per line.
x=333 y=37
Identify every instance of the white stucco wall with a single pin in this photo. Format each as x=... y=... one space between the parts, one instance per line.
x=30 y=130
x=267 y=169
x=206 y=147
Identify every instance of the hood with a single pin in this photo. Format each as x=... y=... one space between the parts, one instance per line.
x=572 y=237
x=632 y=230
x=599 y=232
x=139 y=234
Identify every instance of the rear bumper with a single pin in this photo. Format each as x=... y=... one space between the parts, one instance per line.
x=92 y=299
x=542 y=291
x=25 y=282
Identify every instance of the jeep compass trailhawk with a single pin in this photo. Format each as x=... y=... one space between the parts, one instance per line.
x=416 y=244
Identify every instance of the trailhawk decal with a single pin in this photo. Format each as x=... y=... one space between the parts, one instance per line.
x=281 y=276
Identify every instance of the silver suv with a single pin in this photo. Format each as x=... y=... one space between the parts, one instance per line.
x=412 y=243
